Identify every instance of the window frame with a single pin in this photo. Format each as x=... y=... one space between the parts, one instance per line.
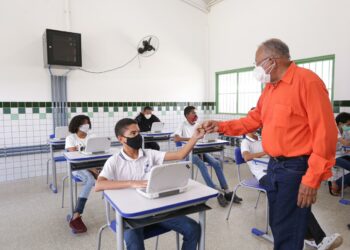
x=246 y=69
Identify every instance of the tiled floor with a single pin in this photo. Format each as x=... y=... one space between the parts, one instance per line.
x=32 y=218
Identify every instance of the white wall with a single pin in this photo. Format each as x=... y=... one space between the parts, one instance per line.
x=310 y=28
x=110 y=31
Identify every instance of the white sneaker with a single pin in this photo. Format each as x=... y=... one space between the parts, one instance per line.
x=330 y=242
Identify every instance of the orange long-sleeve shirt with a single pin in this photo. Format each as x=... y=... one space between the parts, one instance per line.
x=297 y=119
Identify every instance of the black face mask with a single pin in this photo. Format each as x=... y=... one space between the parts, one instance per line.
x=134 y=142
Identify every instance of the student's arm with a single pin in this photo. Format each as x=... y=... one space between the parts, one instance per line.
x=103 y=183
x=184 y=151
x=72 y=149
x=250 y=156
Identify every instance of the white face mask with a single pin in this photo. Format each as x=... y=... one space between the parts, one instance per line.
x=84 y=128
x=261 y=75
x=148 y=116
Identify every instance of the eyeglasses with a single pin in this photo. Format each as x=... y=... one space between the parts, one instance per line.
x=263 y=60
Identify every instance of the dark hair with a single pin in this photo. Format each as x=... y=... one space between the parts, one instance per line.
x=188 y=110
x=76 y=122
x=342 y=117
x=147 y=108
x=121 y=125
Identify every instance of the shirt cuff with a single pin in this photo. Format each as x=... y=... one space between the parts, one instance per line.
x=319 y=169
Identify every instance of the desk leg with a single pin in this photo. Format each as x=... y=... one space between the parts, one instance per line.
x=202 y=224
x=69 y=170
x=169 y=144
x=120 y=231
x=192 y=165
x=53 y=185
x=143 y=142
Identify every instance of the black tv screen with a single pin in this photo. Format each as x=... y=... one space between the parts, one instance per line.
x=62 y=48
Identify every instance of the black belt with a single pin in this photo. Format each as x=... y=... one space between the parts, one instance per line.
x=284 y=158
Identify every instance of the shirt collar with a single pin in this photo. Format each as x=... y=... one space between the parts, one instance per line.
x=189 y=124
x=251 y=139
x=127 y=158
x=288 y=76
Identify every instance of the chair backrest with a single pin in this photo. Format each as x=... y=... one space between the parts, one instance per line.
x=238 y=156
x=178 y=144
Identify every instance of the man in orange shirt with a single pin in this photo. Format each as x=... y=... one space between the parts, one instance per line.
x=299 y=133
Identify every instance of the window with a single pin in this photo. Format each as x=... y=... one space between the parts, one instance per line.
x=237 y=91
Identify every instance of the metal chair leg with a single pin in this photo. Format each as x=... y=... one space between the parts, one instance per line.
x=63 y=182
x=231 y=202
x=267 y=215
x=100 y=236
x=47 y=171
x=257 y=201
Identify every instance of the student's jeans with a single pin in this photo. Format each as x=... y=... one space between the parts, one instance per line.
x=186 y=226
x=314 y=230
x=343 y=162
x=88 y=182
x=204 y=170
x=288 y=221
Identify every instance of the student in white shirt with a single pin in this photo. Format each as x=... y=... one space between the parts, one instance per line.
x=129 y=169
x=251 y=147
x=79 y=128
x=183 y=133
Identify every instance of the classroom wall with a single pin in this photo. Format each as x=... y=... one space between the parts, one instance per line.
x=110 y=33
x=310 y=28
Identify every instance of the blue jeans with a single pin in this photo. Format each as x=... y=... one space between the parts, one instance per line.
x=190 y=230
x=88 y=182
x=288 y=221
x=343 y=162
x=204 y=170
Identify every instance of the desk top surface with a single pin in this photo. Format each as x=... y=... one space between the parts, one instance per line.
x=218 y=142
x=130 y=204
x=152 y=134
x=262 y=160
x=77 y=156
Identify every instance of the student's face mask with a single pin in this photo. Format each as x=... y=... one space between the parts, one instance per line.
x=134 y=142
x=260 y=74
x=84 y=128
x=148 y=116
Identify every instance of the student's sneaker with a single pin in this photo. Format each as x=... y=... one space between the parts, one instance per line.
x=222 y=201
x=330 y=242
x=236 y=199
x=77 y=225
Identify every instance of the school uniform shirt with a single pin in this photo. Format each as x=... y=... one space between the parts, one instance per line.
x=298 y=119
x=145 y=124
x=120 y=167
x=253 y=146
x=73 y=140
x=185 y=129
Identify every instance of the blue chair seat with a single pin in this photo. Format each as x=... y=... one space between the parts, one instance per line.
x=59 y=158
x=252 y=182
x=149 y=231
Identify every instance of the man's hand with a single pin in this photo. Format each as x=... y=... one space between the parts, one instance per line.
x=210 y=126
x=306 y=196
x=139 y=184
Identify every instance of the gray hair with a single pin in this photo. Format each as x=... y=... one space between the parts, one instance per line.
x=276 y=47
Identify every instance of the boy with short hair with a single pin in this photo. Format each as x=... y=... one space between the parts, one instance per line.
x=183 y=133
x=129 y=169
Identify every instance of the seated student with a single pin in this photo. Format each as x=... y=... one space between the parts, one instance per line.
x=129 y=168
x=80 y=126
x=251 y=147
x=343 y=124
x=145 y=120
x=183 y=133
